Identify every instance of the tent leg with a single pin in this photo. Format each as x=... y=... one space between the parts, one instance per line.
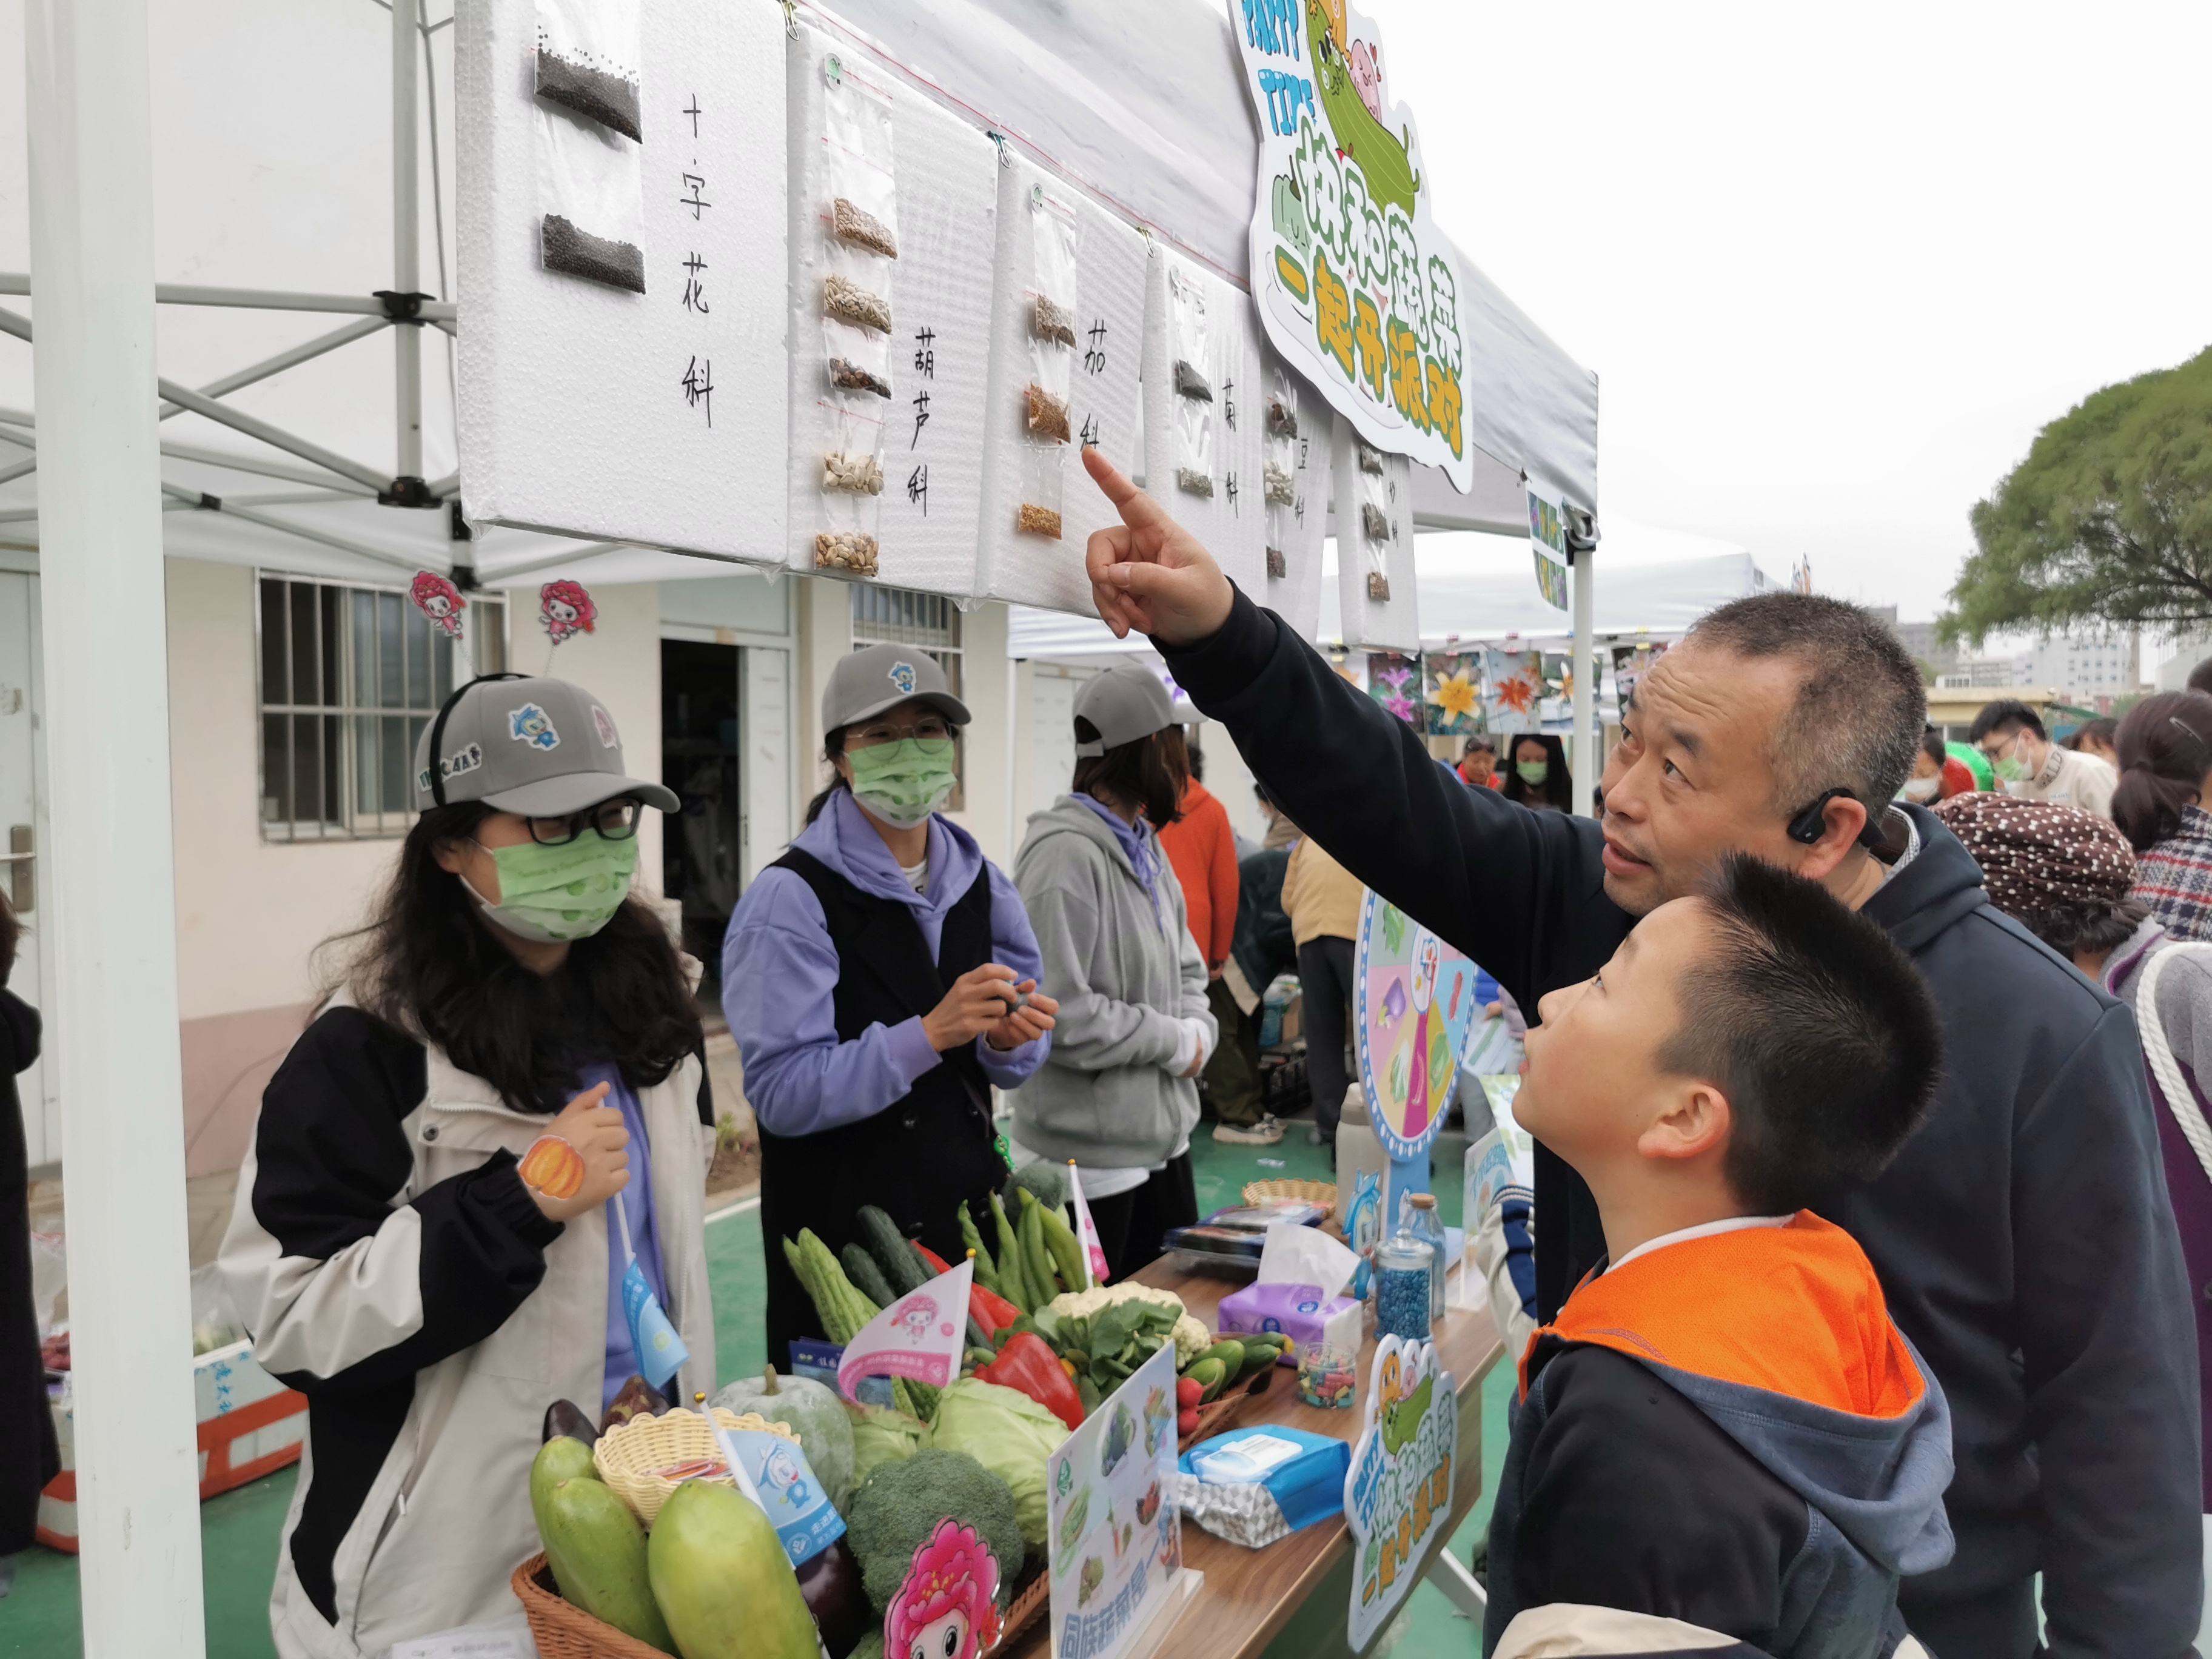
x=406 y=247
x=109 y=889
x=1587 y=763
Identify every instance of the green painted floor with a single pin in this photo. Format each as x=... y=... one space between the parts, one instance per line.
x=239 y=1530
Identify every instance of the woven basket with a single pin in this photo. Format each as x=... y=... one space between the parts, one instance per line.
x=1311 y=1192
x=563 y=1630
x=627 y=1457
x=1023 y=1613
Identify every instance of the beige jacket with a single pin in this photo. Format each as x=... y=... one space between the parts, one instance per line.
x=444 y=1518
x=1320 y=895
x=2068 y=778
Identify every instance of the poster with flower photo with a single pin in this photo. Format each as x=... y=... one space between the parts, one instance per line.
x=1513 y=692
x=1394 y=681
x=1451 y=692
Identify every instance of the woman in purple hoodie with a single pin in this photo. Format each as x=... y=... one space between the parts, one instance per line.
x=879 y=978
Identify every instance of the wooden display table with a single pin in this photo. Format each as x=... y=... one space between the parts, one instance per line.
x=1251 y=1596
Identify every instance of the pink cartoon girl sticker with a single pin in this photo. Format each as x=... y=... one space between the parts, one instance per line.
x=946 y=1608
x=565 y=609
x=439 y=600
x=917 y=1315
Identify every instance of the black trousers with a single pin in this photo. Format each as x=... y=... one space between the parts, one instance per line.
x=2000 y=1625
x=1131 y=1224
x=1325 y=995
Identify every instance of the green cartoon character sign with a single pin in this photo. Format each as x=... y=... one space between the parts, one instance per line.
x=1358 y=288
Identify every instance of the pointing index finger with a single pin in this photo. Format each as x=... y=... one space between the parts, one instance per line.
x=1138 y=510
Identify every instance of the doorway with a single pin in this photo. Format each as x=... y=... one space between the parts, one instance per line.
x=702 y=850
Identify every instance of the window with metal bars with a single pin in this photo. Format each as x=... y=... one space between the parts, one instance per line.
x=929 y=622
x=350 y=677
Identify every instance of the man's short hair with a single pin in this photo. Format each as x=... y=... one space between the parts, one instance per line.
x=1858 y=715
x=1931 y=744
x=1818 y=1029
x=2006 y=714
x=2200 y=678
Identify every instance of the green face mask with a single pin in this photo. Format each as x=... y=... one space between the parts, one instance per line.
x=1533 y=772
x=2011 y=769
x=902 y=783
x=552 y=893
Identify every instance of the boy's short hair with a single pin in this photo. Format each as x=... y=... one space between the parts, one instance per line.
x=1818 y=1029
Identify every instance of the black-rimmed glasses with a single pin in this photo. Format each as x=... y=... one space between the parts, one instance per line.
x=614 y=820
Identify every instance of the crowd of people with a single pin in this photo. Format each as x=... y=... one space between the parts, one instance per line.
x=1871 y=1229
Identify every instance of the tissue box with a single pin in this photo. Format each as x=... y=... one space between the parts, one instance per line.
x=1298 y=1311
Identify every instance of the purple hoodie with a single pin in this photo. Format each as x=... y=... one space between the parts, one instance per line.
x=780 y=972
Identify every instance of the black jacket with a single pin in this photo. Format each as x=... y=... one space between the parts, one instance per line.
x=29 y=1456
x=1263 y=944
x=2024 y=1237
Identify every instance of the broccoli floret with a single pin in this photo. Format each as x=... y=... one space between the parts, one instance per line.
x=898 y=1506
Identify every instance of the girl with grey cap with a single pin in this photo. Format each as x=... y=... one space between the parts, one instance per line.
x=1118 y=1094
x=878 y=978
x=477 y=1176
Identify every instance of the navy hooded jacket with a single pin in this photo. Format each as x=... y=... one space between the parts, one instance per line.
x=2023 y=1237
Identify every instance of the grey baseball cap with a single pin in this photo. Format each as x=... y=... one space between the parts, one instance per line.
x=523 y=744
x=1126 y=703
x=883 y=676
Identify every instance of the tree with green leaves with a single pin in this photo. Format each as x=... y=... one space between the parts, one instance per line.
x=2107 y=521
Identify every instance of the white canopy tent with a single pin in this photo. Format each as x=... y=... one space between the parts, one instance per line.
x=288 y=166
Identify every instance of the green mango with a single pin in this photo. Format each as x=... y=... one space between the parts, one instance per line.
x=719 y=1574
x=562 y=1458
x=597 y=1553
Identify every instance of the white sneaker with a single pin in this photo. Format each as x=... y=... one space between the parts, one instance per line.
x=1266 y=1133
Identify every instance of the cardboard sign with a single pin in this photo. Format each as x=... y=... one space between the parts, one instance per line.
x=1398 y=1495
x=1117 y=1543
x=920 y=1335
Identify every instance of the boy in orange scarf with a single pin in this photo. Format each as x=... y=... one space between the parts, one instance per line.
x=1724 y=1444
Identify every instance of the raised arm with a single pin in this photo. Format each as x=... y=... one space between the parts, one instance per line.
x=1514 y=889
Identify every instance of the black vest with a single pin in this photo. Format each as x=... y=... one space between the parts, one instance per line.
x=920 y=1156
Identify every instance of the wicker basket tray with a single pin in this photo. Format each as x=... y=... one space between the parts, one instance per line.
x=1023 y=1613
x=562 y=1630
x=1311 y=1192
x=628 y=1457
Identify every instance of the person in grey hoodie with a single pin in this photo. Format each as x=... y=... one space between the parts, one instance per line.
x=1118 y=1095
x=878 y=978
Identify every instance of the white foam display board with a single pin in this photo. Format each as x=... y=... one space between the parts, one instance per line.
x=1232 y=521
x=1370 y=625
x=1295 y=596
x=1110 y=258
x=660 y=418
x=941 y=283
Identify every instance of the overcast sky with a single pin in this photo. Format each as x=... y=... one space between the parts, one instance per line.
x=1833 y=266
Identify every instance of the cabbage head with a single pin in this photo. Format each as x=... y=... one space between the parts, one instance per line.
x=1009 y=1434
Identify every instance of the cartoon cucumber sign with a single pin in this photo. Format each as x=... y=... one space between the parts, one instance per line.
x=1358 y=288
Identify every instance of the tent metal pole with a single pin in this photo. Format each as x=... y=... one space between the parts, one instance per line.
x=259 y=299
x=110 y=887
x=177 y=452
x=551 y=560
x=407 y=242
x=1586 y=766
x=193 y=498
x=299 y=354
x=20 y=327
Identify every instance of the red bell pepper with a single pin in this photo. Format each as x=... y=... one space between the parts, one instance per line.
x=988 y=1309
x=1027 y=1365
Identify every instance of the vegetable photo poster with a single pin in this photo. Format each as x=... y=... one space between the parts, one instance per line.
x=1117 y=1544
x=1397 y=1496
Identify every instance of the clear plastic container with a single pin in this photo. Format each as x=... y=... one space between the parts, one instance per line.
x=1424 y=1220
x=1327 y=1374
x=1403 y=1264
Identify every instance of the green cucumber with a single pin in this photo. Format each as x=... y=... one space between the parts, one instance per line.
x=867 y=1278
x=1230 y=1352
x=889 y=1247
x=1210 y=1375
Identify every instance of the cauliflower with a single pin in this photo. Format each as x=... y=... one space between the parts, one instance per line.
x=1192 y=1339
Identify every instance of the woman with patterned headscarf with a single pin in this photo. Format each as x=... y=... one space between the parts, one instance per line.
x=2069 y=875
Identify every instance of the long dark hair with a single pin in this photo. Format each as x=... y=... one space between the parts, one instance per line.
x=2164 y=745
x=833 y=747
x=1151 y=772
x=427 y=964
x=1557 y=789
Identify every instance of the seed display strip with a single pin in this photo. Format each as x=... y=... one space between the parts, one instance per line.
x=861 y=228
x=849 y=302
